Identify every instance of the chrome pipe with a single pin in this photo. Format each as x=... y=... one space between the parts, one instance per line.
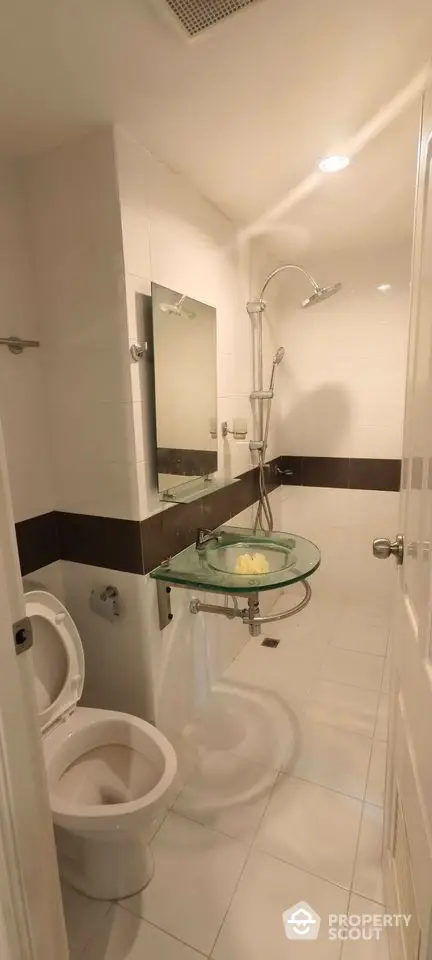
x=197 y=606
x=260 y=383
x=250 y=615
x=273 y=618
x=289 y=266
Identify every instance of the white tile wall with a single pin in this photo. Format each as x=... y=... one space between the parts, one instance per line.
x=343 y=523
x=187 y=657
x=342 y=384
x=117 y=655
x=47 y=578
x=174 y=237
x=77 y=242
x=131 y=665
x=22 y=404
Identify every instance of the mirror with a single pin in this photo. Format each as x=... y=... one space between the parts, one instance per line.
x=185 y=363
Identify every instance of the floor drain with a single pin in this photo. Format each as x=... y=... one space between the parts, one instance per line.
x=270 y=642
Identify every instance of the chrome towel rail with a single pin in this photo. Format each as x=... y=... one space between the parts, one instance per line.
x=16 y=345
x=251 y=614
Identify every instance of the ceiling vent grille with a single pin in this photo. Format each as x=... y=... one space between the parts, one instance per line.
x=198 y=15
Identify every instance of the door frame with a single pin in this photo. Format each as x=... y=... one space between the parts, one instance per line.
x=31 y=913
x=396 y=942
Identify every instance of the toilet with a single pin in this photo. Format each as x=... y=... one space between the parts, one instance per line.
x=109 y=773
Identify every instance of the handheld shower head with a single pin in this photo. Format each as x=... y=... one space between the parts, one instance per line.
x=277 y=359
x=321 y=293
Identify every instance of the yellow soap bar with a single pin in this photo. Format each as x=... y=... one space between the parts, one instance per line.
x=252 y=563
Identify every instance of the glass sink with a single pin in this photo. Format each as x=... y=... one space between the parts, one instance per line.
x=240 y=561
x=242 y=557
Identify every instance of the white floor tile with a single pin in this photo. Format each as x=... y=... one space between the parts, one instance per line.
x=346 y=707
x=363 y=637
x=196 y=871
x=381 y=730
x=311 y=827
x=229 y=793
x=368 y=878
x=334 y=758
x=288 y=668
x=259 y=725
x=82 y=917
x=254 y=929
x=376 y=779
x=123 y=936
x=304 y=629
x=357 y=669
x=365 y=949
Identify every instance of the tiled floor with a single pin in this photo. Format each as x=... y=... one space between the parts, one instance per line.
x=282 y=803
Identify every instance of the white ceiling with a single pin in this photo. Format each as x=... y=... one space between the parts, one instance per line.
x=368 y=205
x=243 y=111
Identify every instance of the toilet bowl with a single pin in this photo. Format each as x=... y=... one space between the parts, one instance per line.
x=109 y=773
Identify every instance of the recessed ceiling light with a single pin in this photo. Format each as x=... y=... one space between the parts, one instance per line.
x=383 y=287
x=333 y=164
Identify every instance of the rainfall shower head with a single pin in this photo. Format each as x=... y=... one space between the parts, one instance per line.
x=257 y=306
x=177 y=309
x=279 y=355
x=321 y=293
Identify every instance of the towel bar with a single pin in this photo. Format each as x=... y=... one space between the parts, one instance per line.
x=16 y=345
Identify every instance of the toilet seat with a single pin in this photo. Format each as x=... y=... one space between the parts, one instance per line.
x=58 y=658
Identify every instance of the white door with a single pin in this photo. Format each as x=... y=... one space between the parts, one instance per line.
x=408 y=810
x=31 y=916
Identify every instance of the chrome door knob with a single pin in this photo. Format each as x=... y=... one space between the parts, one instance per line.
x=383 y=548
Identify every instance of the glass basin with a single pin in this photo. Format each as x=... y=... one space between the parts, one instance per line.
x=247 y=557
x=240 y=561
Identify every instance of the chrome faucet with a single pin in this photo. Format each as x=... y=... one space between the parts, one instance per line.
x=205 y=536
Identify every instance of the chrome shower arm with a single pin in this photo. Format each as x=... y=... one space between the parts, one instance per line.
x=288 y=266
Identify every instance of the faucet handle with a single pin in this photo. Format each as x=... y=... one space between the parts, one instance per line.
x=201 y=533
x=204 y=535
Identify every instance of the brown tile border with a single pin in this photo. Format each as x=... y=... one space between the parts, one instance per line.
x=375 y=474
x=325 y=472
x=131 y=546
x=38 y=542
x=100 y=541
x=134 y=546
x=341 y=472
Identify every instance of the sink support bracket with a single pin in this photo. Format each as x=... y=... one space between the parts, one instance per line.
x=250 y=615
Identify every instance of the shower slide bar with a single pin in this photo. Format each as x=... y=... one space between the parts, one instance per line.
x=16 y=345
